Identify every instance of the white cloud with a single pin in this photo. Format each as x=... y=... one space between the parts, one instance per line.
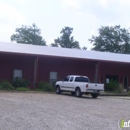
x=92 y=32
x=92 y=14
x=9 y=20
x=9 y=15
x=49 y=41
x=80 y=14
x=104 y=3
x=22 y=1
x=108 y=11
x=71 y=3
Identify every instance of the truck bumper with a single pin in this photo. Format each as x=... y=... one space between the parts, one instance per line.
x=93 y=91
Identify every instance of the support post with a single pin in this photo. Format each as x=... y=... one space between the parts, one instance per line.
x=97 y=73
x=35 y=72
x=99 y=77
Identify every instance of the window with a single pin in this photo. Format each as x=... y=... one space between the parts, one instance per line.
x=81 y=79
x=17 y=73
x=53 y=77
x=67 y=78
x=71 y=79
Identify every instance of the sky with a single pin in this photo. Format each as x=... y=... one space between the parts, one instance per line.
x=84 y=16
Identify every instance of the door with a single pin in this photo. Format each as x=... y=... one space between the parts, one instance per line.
x=65 y=83
x=71 y=84
x=125 y=82
x=112 y=78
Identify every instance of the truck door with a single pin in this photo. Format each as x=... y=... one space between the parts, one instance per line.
x=65 y=83
x=68 y=83
x=71 y=84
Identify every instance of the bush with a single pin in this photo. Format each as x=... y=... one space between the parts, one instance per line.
x=119 y=89
x=44 y=86
x=128 y=93
x=22 y=89
x=18 y=82
x=53 y=83
x=5 y=85
x=113 y=86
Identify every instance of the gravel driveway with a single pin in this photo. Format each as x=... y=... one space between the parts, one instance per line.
x=39 y=111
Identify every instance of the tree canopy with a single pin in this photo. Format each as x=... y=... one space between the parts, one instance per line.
x=84 y=48
x=66 y=40
x=28 y=35
x=112 y=39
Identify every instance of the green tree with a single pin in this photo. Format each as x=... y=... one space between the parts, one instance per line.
x=66 y=40
x=112 y=39
x=28 y=35
x=84 y=48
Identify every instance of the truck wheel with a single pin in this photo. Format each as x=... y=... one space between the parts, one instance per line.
x=78 y=92
x=94 y=95
x=58 y=91
x=73 y=93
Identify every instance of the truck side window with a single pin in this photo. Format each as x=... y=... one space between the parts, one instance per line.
x=67 y=78
x=71 y=79
x=81 y=79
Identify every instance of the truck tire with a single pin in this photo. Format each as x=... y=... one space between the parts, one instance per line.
x=94 y=95
x=78 y=92
x=73 y=93
x=58 y=91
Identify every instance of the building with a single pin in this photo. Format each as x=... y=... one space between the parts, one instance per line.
x=41 y=63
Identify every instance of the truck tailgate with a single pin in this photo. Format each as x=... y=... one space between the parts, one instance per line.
x=95 y=86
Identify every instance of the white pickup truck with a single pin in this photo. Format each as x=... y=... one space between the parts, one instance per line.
x=78 y=85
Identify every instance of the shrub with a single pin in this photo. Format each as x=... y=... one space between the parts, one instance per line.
x=22 y=89
x=119 y=89
x=53 y=83
x=113 y=86
x=5 y=85
x=18 y=82
x=44 y=86
x=128 y=93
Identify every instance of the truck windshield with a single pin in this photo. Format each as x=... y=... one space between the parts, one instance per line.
x=81 y=79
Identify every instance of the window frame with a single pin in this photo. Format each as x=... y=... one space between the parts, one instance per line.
x=68 y=78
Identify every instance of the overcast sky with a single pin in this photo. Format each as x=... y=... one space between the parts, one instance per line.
x=84 y=16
